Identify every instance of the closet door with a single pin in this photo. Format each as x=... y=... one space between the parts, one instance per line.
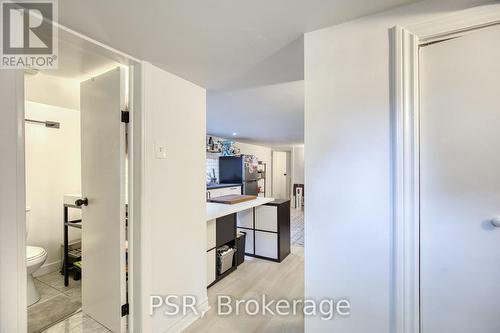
x=460 y=184
x=102 y=99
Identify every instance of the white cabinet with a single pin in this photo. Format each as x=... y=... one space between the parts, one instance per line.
x=248 y=240
x=211 y=234
x=210 y=266
x=266 y=218
x=266 y=244
x=245 y=218
x=233 y=190
x=218 y=192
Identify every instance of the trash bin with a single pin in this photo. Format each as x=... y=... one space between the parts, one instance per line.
x=225 y=256
x=240 y=247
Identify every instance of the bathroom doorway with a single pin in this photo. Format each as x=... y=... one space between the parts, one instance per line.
x=77 y=186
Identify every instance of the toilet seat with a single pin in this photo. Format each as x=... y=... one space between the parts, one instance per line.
x=35 y=258
x=34 y=253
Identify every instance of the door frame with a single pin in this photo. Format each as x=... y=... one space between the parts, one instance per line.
x=13 y=307
x=405 y=127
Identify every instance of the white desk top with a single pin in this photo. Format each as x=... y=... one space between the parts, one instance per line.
x=216 y=210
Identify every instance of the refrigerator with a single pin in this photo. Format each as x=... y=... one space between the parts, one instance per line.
x=240 y=170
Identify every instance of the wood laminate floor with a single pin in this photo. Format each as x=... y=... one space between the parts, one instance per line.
x=252 y=279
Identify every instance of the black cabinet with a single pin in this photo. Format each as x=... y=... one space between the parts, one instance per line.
x=225 y=231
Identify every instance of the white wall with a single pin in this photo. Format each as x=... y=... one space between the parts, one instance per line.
x=52 y=90
x=53 y=168
x=348 y=165
x=173 y=195
x=297 y=165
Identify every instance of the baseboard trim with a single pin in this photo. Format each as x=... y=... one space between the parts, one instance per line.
x=47 y=268
x=189 y=319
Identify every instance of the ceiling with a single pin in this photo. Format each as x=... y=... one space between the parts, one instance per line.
x=80 y=63
x=243 y=52
x=268 y=115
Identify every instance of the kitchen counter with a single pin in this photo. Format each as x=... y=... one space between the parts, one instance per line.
x=265 y=222
x=278 y=202
x=216 y=210
x=214 y=186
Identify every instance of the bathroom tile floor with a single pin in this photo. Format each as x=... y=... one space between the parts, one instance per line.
x=77 y=323
x=57 y=302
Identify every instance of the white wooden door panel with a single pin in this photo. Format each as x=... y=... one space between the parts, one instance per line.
x=266 y=244
x=280 y=175
x=245 y=218
x=103 y=183
x=460 y=184
x=266 y=218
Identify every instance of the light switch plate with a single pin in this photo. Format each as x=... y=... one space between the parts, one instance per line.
x=160 y=151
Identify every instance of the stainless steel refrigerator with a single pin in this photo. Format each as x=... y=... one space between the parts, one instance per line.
x=240 y=170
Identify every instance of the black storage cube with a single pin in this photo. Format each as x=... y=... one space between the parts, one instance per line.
x=240 y=247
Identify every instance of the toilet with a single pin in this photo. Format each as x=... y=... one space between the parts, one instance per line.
x=35 y=258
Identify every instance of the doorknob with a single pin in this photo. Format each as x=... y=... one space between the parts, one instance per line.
x=82 y=202
x=496 y=221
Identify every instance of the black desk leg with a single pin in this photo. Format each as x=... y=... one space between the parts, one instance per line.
x=66 y=248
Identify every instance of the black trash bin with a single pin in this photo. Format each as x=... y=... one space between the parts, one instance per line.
x=240 y=247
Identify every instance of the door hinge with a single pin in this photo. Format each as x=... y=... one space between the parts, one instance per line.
x=125 y=310
x=125 y=117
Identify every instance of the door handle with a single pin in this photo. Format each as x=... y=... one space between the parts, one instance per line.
x=496 y=221
x=82 y=202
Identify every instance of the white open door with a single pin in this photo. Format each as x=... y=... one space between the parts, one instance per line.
x=280 y=175
x=102 y=99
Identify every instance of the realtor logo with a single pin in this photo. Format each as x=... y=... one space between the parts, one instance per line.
x=29 y=37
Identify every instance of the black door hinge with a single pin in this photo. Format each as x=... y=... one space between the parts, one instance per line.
x=124 y=310
x=125 y=117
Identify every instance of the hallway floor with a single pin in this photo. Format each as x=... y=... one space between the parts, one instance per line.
x=251 y=280
x=297 y=226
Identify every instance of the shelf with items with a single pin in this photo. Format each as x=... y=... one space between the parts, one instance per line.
x=225 y=147
x=70 y=256
x=221 y=233
x=262 y=178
